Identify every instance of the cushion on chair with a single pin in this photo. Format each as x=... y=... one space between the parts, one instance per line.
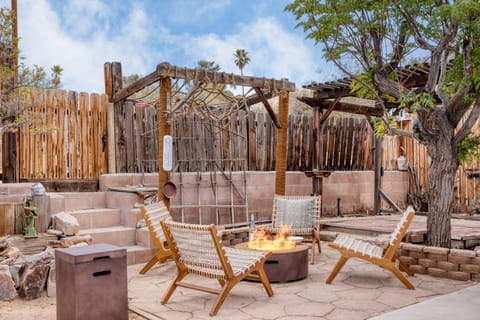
x=295 y=212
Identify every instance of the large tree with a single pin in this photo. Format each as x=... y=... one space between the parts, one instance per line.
x=16 y=78
x=369 y=40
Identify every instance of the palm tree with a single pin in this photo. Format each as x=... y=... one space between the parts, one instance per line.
x=241 y=60
x=56 y=73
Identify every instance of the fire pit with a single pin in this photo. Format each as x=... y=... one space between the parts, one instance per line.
x=289 y=260
x=285 y=265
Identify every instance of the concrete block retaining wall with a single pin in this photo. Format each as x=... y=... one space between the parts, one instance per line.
x=344 y=191
x=457 y=264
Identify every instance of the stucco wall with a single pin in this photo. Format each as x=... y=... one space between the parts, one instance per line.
x=346 y=192
x=353 y=188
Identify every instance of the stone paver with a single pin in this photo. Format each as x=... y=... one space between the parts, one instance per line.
x=360 y=291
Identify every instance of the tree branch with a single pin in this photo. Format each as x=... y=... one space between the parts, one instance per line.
x=457 y=107
x=419 y=40
x=467 y=126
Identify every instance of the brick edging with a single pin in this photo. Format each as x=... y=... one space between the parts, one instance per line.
x=457 y=264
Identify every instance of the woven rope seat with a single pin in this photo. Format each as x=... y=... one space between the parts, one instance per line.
x=197 y=250
x=386 y=258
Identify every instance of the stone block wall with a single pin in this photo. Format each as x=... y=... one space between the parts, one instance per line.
x=457 y=264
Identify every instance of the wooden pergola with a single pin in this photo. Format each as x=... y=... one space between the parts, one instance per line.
x=328 y=97
x=264 y=89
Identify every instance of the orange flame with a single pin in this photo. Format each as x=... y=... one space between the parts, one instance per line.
x=261 y=241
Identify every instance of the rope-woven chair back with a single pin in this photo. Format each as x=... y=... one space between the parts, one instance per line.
x=400 y=230
x=296 y=211
x=153 y=214
x=196 y=248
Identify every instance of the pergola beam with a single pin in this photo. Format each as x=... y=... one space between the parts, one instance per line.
x=166 y=70
x=269 y=108
x=343 y=106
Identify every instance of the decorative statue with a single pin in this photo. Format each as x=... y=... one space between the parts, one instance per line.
x=30 y=216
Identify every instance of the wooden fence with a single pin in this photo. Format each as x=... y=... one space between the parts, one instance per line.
x=75 y=148
x=65 y=140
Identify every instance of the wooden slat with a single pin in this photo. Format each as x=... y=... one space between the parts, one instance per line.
x=84 y=135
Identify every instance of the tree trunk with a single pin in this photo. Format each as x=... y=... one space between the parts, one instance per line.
x=441 y=176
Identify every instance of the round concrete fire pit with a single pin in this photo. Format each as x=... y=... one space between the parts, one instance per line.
x=285 y=265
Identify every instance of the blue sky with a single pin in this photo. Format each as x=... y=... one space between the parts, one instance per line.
x=81 y=35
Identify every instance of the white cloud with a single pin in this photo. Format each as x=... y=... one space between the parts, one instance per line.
x=81 y=57
x=81 y=36
x=274 y=51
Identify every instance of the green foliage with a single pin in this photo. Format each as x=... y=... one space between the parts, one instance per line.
x=358 y=86
x=413 y=102
x=241 y=59
x=16 y=79
x=469 y=149
x=379 y=127
x=352 y=31
x=363 y=87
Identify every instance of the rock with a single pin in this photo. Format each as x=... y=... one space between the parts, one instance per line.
x=35 y=274
x=7 y=285
x=14 y=257
x=15 y=271
x=34 y=282
x=55 y=232
x=66 y=223
x=51 y=282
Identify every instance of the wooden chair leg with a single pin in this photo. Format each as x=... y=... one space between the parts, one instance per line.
x=405 y=268
x=401 y=277
x=312 y=260
x=149 y=265
x=340 y=263
x=222 y=296
x=266 y=283
x=317 y=235
x=173 y=286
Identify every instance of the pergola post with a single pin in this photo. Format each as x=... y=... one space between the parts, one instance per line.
x=164 y=129
x=281 y=151
x=377 y=176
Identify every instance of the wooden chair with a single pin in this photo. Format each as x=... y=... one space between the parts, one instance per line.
x=302 y=213
x=153 y=214
x=197 y=249
x=383 y=257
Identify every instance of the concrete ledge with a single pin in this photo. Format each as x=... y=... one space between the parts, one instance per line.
x=461 y=304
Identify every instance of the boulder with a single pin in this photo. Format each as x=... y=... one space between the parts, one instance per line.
x=35 y=274
x=34 y=282
x=7 y=285
x=66 y=223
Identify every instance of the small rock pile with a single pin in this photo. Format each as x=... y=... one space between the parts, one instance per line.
x=28 y=275
x=22 y=275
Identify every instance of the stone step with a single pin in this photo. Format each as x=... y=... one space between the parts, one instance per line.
x=143 y=238
x=116 y=235
x=97 y=218
x=82 y=200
